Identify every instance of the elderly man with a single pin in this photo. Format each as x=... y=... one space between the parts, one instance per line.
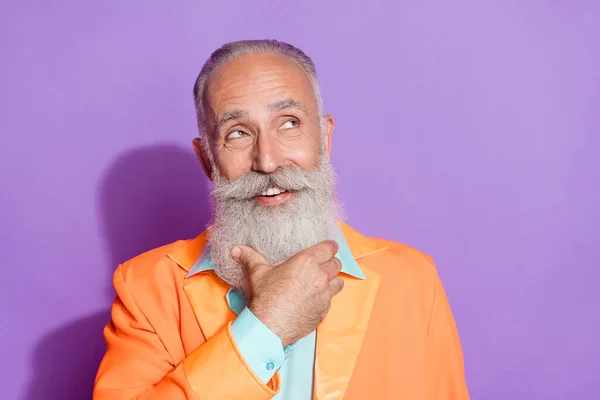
x=277 y=299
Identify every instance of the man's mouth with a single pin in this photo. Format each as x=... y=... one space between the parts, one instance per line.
x=273 y=196
x=272 y=191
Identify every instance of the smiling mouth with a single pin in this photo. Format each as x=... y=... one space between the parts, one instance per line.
x=273 y=196
x=273 y=191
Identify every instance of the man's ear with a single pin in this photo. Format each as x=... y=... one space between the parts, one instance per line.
x=200 y=151
x=329 y=128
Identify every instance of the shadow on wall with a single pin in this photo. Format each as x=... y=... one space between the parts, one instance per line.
x=149 y=197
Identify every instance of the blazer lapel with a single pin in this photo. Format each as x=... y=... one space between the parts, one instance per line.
x=205 y=291
x=340 y=335
x=207 y=296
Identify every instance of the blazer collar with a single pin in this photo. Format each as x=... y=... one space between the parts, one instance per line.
x=191 y=255
x=349 y=266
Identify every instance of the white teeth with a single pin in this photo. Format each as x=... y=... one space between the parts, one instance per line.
x=274 y=191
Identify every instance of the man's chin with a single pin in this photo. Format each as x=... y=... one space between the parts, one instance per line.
x=231 y=273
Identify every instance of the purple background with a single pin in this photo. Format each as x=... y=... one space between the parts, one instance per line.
x=468 y=129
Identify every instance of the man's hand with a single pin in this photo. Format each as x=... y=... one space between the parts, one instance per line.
x=293 y=297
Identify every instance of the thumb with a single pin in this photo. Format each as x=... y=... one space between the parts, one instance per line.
x=248 y=257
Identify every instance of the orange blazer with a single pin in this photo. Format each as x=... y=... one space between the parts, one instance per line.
x=390 y=336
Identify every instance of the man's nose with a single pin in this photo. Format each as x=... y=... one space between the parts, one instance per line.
x=267 y=154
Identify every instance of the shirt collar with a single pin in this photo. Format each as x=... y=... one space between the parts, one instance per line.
x=349 y=265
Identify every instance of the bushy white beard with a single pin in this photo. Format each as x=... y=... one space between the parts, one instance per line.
x=276 y=232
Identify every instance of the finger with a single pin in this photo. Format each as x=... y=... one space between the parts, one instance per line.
x=332 y=267
x=246 y=256
x=336 y=285
x=323 y=251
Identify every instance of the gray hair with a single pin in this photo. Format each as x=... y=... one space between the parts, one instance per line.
x=233 y=50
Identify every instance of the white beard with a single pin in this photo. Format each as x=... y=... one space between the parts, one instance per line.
x=276 y=232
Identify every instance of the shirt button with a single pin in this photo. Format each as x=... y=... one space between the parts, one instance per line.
x=270 y=366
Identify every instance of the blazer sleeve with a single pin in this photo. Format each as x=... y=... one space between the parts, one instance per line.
x=138 y=366
x=445 y=366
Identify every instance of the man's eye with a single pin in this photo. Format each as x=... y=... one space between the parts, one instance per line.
x=236 y=135
x=292 y=123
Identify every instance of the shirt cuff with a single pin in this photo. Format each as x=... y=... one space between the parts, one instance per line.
x=260 y=347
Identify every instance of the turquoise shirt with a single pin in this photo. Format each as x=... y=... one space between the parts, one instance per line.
x=262 y=349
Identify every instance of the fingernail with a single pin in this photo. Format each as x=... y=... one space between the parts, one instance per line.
x=236 y=252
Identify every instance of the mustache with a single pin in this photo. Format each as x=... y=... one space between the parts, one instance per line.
x=253 y=183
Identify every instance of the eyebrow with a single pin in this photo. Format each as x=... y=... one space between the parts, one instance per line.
x=231 y=115
x=278 y=106
x=281 y=105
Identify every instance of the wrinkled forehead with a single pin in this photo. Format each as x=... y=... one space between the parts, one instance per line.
x=253 y=82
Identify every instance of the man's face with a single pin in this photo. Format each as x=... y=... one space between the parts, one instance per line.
x=273 y=183
x=261 y=114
